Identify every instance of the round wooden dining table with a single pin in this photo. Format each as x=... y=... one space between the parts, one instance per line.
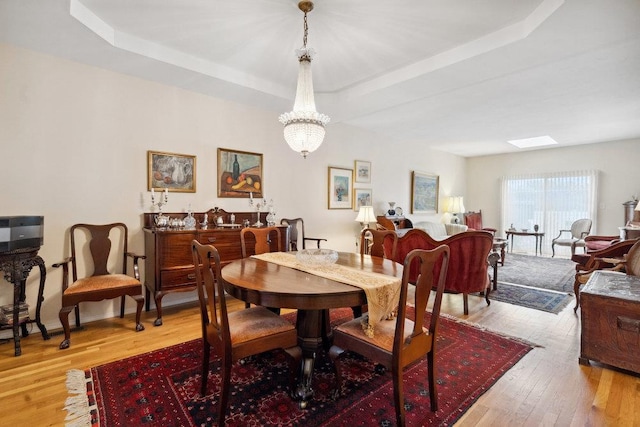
x=271 y=285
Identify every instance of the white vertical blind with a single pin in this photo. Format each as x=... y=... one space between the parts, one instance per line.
x=553 y=201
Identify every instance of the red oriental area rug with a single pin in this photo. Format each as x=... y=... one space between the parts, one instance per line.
x=161 y=388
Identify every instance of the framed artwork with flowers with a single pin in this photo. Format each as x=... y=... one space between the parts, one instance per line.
x=340 y=188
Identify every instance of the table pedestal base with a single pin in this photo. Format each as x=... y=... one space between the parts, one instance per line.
x=314 y=332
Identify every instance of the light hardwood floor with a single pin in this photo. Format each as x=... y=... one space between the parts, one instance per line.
x=547 y=387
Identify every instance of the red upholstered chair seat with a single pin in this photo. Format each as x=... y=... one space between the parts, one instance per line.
x=595 y=243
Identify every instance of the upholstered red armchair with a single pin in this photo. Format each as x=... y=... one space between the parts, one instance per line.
x=468 y=262
x=473 y=220
x=598 y=260
x=593 y=244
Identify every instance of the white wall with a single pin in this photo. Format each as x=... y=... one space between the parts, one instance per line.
x=74 y=144
x=619 y=179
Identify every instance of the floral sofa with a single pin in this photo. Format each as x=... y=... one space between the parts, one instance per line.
x=440 y=231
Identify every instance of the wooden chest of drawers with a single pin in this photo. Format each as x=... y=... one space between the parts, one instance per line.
x=610 y=311
x=169 y=263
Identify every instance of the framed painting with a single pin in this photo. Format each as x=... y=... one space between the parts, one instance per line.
x=363 y=197
x=340 y=188
x=175 y=172
x=424 y=193
x=239 y=174
x=363 y=172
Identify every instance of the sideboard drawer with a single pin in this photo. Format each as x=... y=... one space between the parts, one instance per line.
x=178 y=278
x=227 y=242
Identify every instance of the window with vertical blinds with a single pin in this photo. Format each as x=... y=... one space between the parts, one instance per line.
x=553 y=201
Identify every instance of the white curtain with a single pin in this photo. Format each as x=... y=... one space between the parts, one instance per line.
x=553 y=201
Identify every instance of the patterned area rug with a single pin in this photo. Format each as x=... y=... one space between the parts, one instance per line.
x=555 y=274
x=535 y=282
x=160 y=388
x=539 y=299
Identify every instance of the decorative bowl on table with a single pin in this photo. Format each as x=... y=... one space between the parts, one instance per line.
x=524 y=230
x=317 y=256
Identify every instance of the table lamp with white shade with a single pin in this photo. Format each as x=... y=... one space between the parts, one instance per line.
x=366 y=216
x=456 y=207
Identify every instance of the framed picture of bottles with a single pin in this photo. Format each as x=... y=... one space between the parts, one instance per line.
x=239 y=174
x=170 y=171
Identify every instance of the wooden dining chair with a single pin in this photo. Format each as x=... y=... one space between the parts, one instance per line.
x=263 y=240
x=375 y=242
x=238 y=334
x=296 y=228
x=397 y=344
x=97 y=247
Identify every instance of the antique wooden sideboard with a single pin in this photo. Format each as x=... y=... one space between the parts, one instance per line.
x=169 y=264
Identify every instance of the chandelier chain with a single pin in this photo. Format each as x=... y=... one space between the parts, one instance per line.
x=306 y=31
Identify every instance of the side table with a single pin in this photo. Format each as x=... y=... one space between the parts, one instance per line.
x=539 y=235
x=16 y=266
x=500 y=244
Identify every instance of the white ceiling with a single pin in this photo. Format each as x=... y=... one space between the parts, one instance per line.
x=462 y=77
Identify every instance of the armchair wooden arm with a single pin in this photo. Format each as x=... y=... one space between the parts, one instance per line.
x=560 y=233
x=297 y=225
x=136 y=268
x=315 y=239
x=65 y=271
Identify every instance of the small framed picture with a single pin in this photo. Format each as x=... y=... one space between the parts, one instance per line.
x=363 y=172
x=363 y=197
x=239 y=174
x=424 y=193
x=340 y=188
x=175 y=172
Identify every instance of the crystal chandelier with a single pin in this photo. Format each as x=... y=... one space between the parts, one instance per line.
x=304 y=126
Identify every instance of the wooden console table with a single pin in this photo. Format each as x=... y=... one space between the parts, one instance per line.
x=16 y=266
x=169 y=263
x=610 y=315
x=537 y=234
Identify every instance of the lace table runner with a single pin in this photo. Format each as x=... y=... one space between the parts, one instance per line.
x=382 y=291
